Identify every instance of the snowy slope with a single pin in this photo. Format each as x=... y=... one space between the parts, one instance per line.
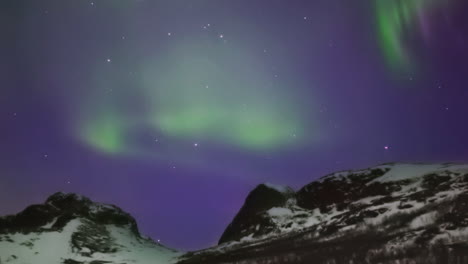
x=409 y=213
x=89 y=233
x=408 y=171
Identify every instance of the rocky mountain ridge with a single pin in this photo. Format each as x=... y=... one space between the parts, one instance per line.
x=359 y=216
x=392 y=213
x=72 y=229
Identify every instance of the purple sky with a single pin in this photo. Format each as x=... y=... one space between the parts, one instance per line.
x=355 y=109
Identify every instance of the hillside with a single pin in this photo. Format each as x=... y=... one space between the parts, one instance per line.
x=384 y=214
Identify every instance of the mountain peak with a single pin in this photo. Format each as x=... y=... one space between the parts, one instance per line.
x=264 y=197
x=79 y=231
x=382 y=214
x=60 y=208
x=61 y=200
x=63 y=195
x=279 y=188
x=343 y=199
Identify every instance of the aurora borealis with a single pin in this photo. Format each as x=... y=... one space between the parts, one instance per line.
x=221 y=94
x=175 y=110
x=398 y=19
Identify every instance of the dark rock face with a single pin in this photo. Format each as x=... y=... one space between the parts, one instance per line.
x=69 y=202
x=261 y=199
x=94 y=237
x=32 y=217
x=322 y=194
x=458 y=216
x=60 y=208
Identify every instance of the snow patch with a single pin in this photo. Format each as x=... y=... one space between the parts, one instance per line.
x=50 y=247
x=279 y=212
x=279 y=188
x=399 y=172
x=423 y=220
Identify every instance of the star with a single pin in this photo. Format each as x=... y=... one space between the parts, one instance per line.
x=108 y=60
x=305 y=18
x=169 y=33
x=386 y=147
x=221 y=36
x=46 y=156
x=195 y=144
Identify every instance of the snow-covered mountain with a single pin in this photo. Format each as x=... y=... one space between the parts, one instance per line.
x=71 y=229
x=393 y=213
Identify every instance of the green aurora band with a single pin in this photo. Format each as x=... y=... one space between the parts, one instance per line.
x=220 y=95
x=207 y=90
x=395 y=19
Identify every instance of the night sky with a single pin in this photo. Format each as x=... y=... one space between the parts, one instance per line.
x=175 y=110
